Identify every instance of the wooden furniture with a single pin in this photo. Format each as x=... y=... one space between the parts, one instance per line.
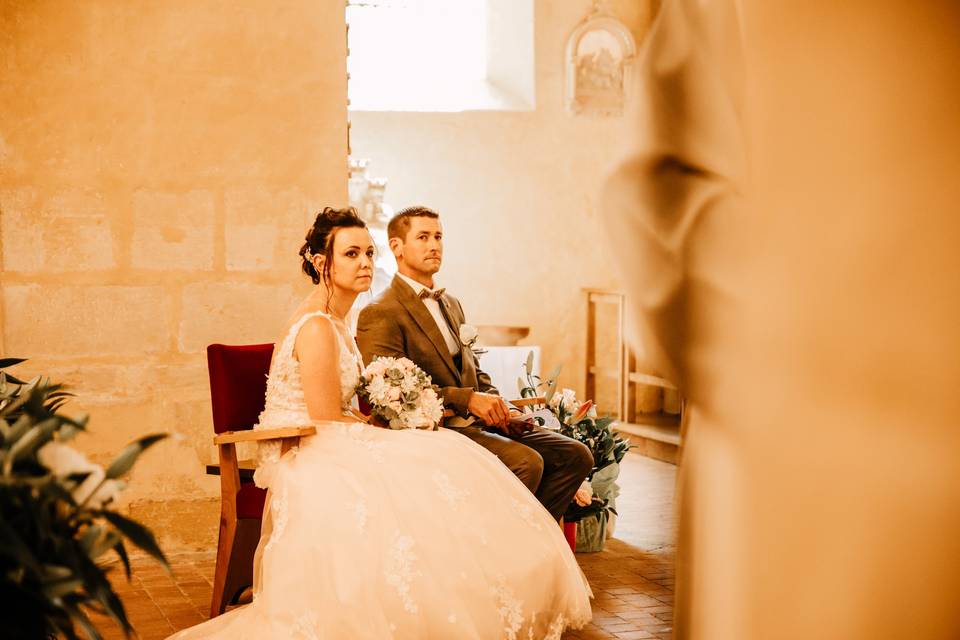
x=618 y=364
x=238 y=381
x=603 y=365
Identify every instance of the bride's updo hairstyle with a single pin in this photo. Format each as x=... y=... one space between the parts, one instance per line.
x=319 y=240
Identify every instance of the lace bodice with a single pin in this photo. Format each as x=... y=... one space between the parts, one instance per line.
x=285 y=404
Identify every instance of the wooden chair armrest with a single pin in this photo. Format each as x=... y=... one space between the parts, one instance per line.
x=255 y=435
x=526 y=402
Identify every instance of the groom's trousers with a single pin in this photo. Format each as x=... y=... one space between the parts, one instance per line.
x=551 y=465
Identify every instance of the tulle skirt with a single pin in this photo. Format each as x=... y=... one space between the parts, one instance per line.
x=373 y=534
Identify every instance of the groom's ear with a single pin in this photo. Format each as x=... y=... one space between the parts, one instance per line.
x=396 y=246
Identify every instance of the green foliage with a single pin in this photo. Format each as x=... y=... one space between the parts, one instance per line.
x=580 y=422
x=52 y=547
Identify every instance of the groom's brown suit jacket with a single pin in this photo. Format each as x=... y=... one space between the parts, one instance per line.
x=398 y=324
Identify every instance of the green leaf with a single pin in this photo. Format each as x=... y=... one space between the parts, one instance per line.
x=60 y=588
x=14 y=547
x=38 y=435
x=104 y=544
x=124 y=558
x=67 y=432
x=138 y=535
x=125 y=461
x=528 y=365
x=13 y=379
x=9 y=362
x=551 y=389
x=77 y=614
x=89 y=538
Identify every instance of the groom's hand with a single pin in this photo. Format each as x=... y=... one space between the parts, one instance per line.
x=489 y=408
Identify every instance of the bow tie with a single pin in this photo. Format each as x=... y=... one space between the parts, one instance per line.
x=426 y=293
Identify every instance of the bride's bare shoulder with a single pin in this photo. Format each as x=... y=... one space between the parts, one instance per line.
x=316 y=335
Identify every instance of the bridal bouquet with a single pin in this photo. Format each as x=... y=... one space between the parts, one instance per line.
x=401 y=394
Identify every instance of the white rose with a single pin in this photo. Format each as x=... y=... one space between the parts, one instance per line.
x=377 y=389
x=63 y=460
x=431 y=405
x=468 y=334
x=409 y=383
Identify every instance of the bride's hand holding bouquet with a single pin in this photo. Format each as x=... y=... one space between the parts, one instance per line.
x=400 y=394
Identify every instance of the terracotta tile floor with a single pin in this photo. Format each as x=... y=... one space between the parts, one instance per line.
x=632 y=578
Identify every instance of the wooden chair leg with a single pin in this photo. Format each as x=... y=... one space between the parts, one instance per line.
x=234 y=571
x=240 y=574
x=228 y=534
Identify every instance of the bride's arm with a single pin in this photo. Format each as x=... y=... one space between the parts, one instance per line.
x=316 y=349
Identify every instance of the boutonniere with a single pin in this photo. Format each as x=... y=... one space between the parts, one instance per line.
x=468 y=338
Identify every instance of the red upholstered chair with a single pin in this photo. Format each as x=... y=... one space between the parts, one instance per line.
x=238 y=383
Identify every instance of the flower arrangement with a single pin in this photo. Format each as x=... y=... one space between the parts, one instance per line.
x=594 y=506
x=56 y=523
x=401 y=394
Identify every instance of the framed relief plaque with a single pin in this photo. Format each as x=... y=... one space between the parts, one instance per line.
x=599 y=53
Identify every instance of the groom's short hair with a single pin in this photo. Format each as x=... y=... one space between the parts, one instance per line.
x=399 y=224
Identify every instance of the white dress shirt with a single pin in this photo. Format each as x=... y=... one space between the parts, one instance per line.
x=433 y=306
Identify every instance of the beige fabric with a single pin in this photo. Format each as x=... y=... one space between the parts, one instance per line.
x=792 y=247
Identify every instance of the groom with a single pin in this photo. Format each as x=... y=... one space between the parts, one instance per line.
x=411 y=319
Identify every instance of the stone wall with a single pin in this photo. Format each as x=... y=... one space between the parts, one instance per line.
x=159 y=164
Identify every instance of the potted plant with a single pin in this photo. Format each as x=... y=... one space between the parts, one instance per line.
x=56 y=520
x=594 y=507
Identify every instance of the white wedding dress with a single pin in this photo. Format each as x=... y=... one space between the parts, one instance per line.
x=372 y=534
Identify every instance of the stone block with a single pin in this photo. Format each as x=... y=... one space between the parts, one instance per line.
x=173 y=230
x=93 y=320
x=66 y=232
x=114 y=424
x=233 y=313
x=264 y=228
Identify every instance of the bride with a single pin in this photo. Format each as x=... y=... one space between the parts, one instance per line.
x=372 y=533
